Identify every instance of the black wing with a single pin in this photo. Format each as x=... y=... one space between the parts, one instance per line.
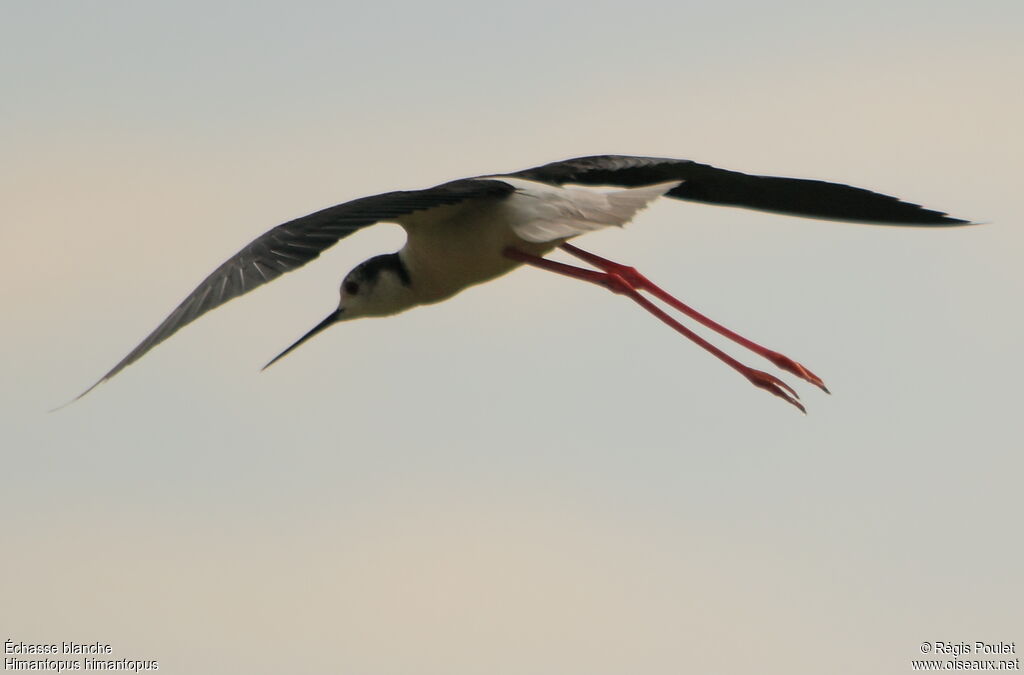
x=293 y=244
x=704 y=183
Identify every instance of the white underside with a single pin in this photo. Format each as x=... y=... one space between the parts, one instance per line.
x=450 y=248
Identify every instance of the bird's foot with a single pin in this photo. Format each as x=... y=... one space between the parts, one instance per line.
x=783 y=362
x=774 y=385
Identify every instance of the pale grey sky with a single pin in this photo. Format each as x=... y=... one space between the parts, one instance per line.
x=536 y=476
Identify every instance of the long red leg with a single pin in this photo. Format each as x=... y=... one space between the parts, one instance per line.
x=640 y=282
x=619 y=284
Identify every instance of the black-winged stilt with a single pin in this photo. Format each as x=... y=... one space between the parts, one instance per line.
x=472 y=230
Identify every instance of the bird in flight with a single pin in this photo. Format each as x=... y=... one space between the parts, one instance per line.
x=472 y=230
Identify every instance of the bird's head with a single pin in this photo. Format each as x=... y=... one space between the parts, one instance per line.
x=376 y=287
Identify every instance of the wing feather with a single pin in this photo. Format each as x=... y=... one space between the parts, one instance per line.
x=711 y=185
x=291 y=245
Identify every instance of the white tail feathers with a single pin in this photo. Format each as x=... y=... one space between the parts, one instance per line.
x=626 y=203
x=545 y=213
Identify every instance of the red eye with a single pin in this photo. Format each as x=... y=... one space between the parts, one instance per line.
x=351 y=287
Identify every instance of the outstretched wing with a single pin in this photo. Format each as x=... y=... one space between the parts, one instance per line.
x=293 y=244
x=704 y=183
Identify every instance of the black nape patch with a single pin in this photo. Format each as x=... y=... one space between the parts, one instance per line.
x=372 y=268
